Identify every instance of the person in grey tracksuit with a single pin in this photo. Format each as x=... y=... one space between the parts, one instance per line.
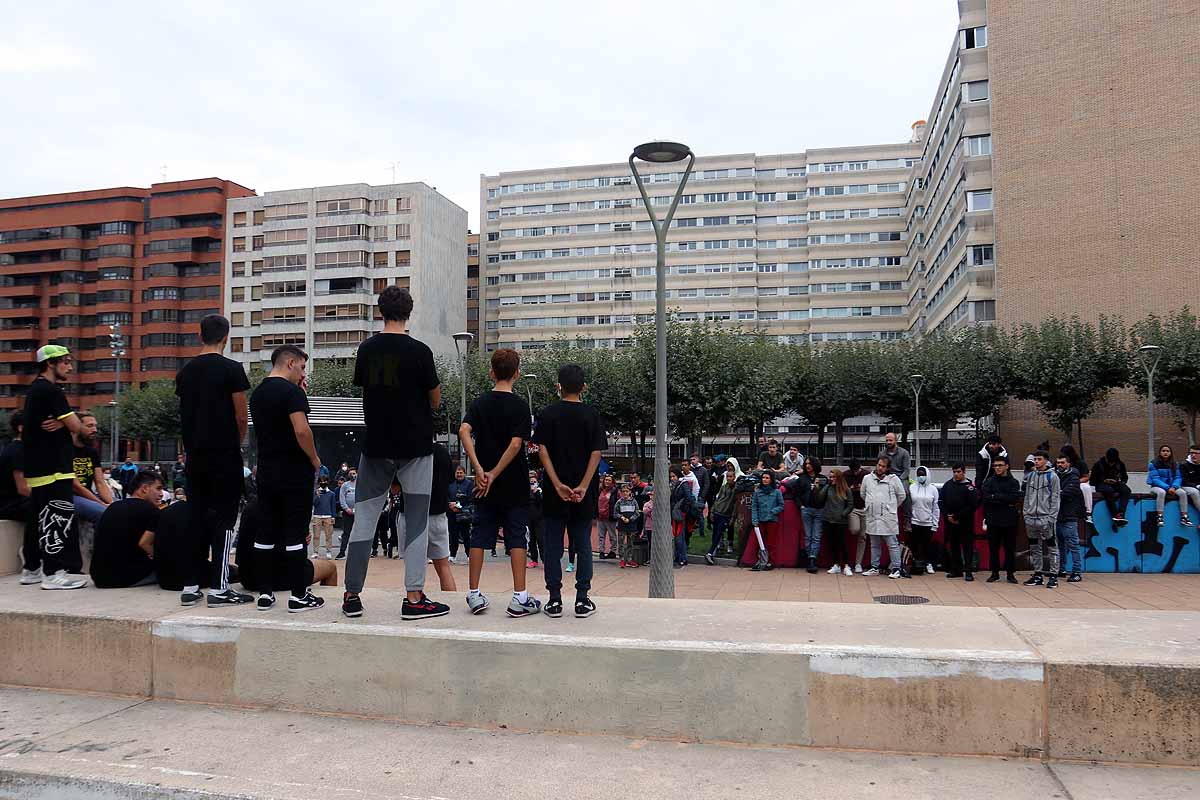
x=1043 y=497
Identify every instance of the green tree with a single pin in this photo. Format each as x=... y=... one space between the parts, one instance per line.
x=148 y=412
x=1069 y=367
x=757 y=378
x=830 y=383
x=1177 y=378
x=333 y=378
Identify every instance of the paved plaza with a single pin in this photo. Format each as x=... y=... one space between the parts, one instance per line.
x=702 y=582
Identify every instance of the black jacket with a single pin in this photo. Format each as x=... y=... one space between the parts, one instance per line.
x=802 y=491
x=1070 y=507
x=958 y=499
x=983 y=465
x=1103 y=469
x=1002 y=499
x=1190 y=473
x=704 y=478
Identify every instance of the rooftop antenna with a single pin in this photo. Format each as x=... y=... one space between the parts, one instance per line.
x=164 y=173
x=393 y=166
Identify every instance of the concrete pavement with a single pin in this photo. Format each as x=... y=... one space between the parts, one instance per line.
x=78 y=747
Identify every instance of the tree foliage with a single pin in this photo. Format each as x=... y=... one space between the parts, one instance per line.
x=1177 y=377
x=148 y=412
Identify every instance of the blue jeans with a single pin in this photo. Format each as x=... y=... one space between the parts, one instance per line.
x=579 y=531
x=88 y=509
x=1067 y=533
x=681 y=544
x=720 y=523
x=813 y=521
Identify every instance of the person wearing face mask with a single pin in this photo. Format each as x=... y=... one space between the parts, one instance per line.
x=926 y=513
x=883 y=495
x=959 y=501
x=1001 y=499
x=1189 y=487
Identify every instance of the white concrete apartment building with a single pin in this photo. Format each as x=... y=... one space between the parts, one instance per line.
x=305 y=267
x=873 y=242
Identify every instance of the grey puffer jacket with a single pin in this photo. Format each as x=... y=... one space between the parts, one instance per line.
x=1043 y=494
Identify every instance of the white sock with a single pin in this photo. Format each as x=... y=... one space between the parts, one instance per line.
x=521 y=597
x=191 y=589
x=472 y=593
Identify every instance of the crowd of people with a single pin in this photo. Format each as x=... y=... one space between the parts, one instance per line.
x=535 y=483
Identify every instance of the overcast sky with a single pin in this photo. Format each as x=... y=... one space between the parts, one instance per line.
x=282 y=95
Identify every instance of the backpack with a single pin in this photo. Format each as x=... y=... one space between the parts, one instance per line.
x=695 y=506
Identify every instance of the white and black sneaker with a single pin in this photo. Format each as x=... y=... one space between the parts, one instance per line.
x=553 y=607
x=189 y=599
x=228 y=598
x=266 y=601
x=306 y=603
x=584 y=608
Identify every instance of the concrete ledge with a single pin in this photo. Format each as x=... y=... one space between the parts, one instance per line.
x=11 y=535
x=930 y=679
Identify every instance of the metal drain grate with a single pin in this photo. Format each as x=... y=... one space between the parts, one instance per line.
x=901 y=599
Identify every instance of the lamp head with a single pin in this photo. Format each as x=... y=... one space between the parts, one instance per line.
x=463 y=336
x=661 y=152
x=1149 y=354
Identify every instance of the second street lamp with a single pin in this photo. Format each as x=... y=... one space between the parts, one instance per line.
x=1149 y=354
x=462 y=341
x=917 y=382
x=662 y=576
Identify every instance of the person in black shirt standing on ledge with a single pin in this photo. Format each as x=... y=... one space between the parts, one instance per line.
x=124 y=554
x=212 y=411
x=287 y=472
x=400 y=390
x=493 y=437
x=49 y=423
x=571 y=439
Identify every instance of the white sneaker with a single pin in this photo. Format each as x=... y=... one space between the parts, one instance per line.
x=858 y=569
x=871 y=572
x=894 y=574
x=847 y=571
x=834 y=570
x=31 y=576
x=61 y=580
x=328 y=555
x=929 y=569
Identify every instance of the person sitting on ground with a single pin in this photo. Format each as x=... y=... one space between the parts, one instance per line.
x=124 y=554
x=316 y=572
x=1165 y=480
x=1111 y=480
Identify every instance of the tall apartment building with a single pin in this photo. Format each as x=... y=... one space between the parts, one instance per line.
x=473 y=319
x=806 y=246
x=305 y=267
x=72 y=264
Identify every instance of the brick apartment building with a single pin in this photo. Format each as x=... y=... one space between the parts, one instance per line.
x=72 y=264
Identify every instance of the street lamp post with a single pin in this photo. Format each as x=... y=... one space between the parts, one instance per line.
x=662 y=576
x=917 y=382
x=117 y=348
x=1149 y=354
x=530 y=377
x=462 y=341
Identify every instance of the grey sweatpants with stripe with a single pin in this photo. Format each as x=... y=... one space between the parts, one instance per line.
x=375 y=476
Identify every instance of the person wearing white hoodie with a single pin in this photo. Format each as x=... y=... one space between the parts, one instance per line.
x=925 y=516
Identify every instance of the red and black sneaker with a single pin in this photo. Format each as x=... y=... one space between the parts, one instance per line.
x=423 y=609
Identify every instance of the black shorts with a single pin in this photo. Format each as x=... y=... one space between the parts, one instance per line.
x=490 y=519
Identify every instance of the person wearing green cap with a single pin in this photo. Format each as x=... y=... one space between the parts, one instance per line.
x=49 y=450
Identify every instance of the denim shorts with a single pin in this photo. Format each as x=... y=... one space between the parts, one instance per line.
x=489 y=519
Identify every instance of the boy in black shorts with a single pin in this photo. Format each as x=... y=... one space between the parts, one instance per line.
x=571 y=439
x=493 y=436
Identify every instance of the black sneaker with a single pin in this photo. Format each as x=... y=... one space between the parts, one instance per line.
x=266 y=602
x=1012 y=579
x=423 y=609
x=1052 y=583
x=708 y=559
x=307 y=603
x=968 y=576
x=995 y=576
x=584 y=608
x=1036 y=580
x=1075 y=578
x=351 y=605
x=228 y=598
x=553 y=607
x=189 y=599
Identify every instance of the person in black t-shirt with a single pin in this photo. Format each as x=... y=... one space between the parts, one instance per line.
x=92 y=494
x=570 y=439
x=212 y=414
x=287 y=470
x=493 y=437
x=14 y=500
x=400 y=390
x=49 y=423
x=124 y=554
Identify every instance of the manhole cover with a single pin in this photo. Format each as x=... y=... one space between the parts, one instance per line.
x=901 y=599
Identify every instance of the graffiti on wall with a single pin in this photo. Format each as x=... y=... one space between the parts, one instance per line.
x=1141 y=545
